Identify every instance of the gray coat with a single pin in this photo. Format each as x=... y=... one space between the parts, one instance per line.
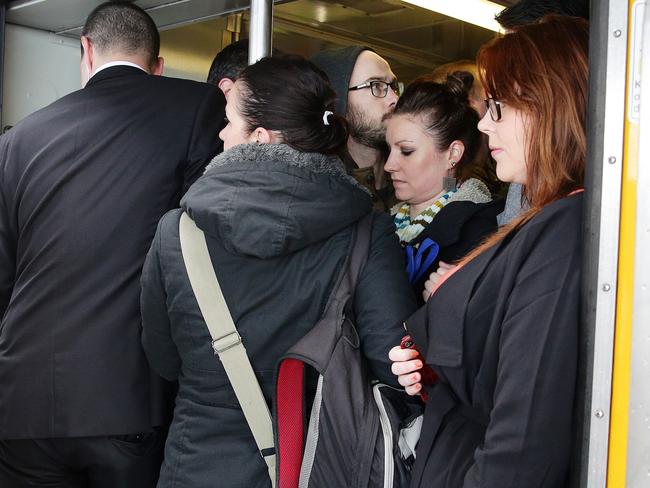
x=278 y=223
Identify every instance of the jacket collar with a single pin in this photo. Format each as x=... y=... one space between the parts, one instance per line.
x=115 y=72
x=438 y=327
x=445 y=228
x=252 y=154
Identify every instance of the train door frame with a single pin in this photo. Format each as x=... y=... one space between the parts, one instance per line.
x=616 y=264
x=608 y=50
x=637 y=462
x=629 y=451
x=3 y=12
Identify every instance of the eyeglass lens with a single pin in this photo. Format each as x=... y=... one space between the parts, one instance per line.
x=494 y=107
x=379 y=89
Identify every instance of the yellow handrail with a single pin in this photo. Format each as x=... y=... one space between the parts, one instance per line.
x=617 y=459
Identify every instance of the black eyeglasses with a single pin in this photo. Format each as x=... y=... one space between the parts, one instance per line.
x=378 y=88
x=494 y=107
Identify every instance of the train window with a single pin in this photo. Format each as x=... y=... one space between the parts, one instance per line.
x=414 y=40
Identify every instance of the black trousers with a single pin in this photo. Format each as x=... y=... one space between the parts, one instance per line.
x=126 y=461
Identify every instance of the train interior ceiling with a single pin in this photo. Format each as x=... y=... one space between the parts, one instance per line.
x=415 y=40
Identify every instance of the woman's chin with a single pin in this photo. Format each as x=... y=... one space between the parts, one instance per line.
x=402 y=197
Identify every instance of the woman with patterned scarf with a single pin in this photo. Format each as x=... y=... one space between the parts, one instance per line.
x=446 y=208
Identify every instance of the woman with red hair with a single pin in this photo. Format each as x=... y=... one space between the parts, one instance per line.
x=501 y=329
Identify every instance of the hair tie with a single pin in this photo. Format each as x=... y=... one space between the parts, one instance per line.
x=325 y=115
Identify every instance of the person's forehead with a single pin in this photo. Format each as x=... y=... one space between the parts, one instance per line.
x=370 y=65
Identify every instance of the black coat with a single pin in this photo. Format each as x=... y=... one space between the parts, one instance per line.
x=278 y=225
x=458 y=228
x=502 y=333
x=83 y=184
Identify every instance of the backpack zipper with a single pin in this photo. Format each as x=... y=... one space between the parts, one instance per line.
x=389 y=466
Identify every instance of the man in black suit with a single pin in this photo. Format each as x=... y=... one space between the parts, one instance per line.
x=83 y=183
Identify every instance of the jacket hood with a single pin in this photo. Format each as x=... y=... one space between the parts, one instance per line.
x=268 y=200
x=338 y=65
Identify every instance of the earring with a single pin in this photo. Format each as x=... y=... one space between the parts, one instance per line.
x=449 y=181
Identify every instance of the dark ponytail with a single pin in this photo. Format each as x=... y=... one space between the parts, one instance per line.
x=290 y=95
x=446 y=112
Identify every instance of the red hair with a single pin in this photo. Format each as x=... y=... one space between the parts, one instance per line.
x=542 y=70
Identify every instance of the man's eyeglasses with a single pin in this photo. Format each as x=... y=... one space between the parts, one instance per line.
x=378 y=88
x=494 y=107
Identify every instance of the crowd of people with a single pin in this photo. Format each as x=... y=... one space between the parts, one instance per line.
x=108 y=373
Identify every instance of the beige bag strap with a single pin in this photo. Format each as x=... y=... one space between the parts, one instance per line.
x=226 y=341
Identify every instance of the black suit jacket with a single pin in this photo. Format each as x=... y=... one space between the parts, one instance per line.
x=502 y=334
x=83 y=183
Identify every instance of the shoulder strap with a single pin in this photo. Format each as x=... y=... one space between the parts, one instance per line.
x=358 y=255
x=360 y=249
x=226 y=341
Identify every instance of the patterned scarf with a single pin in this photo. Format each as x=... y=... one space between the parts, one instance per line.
x=407 y=230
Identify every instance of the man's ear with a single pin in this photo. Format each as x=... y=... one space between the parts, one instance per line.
x=226 y=85
x=87 y=59
x=158 y=66
x=88 y=56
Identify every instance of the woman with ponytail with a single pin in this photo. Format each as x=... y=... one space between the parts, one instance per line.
x=446 y=206
x=278 y=210
x=501 y=330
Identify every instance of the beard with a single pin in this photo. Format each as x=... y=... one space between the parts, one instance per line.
x=364 y=130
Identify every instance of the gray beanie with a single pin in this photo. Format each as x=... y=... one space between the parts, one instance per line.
x=338 y=65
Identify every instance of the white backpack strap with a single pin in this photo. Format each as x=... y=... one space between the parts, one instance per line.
x=226 y=341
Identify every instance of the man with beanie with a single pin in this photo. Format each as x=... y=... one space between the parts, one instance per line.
x=367 y=90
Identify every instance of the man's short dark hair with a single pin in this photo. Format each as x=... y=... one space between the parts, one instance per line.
x=528 y=11
x=229 y=62
x=122 y=27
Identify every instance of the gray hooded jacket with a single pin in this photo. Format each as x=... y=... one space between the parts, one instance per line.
x=278 y=223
